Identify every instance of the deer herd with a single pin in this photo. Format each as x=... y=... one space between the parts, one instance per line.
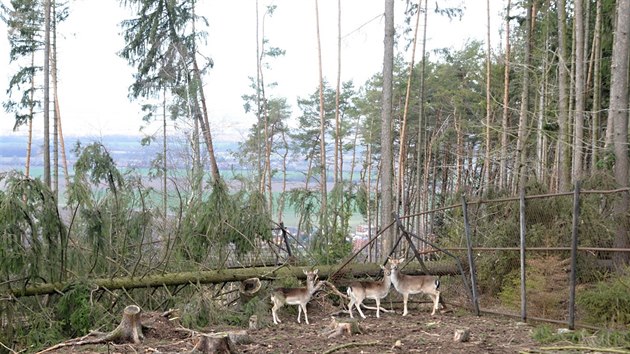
x=361 y=290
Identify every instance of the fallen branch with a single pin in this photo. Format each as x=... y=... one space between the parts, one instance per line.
x=334 y=289
x=583 y=348
x=374 y=308
x=351 y=345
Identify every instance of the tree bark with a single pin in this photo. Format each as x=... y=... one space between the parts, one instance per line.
x=619 y=116
x=506 y=104
x=521 y=143
x=578 y=141
x=216 y=343
x=226 y=275
x=597 y=83
x=386 y=131
x=564 y=152
x=322 y=132
x=486 y=162
x=402 y=151
x=46 y=103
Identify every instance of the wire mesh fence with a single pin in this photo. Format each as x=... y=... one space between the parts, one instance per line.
x=529 y=257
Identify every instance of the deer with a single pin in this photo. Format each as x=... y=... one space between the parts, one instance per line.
x=414 y=284
x=295 y=296
x=360 y=290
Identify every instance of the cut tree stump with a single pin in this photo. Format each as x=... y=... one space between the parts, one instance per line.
x=253 y=322
x=248 y=289
x=342 y=327
x=461 y=335
x=130 y=327
x=240 y=337
x=214 y=343
x=128 y=331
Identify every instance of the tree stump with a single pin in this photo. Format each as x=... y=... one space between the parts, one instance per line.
x=248 y=289
x=253 y=322
x=215 y=343
x=343 y=327
x=239 y=337
x=130 y=327
x=461 y=335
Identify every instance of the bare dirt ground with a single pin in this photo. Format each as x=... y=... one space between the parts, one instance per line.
x=418 y=332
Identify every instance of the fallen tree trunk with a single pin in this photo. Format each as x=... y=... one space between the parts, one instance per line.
x=352 y=270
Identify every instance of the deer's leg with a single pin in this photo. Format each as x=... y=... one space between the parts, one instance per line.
x=352 y=302
x=436 y=302
x=405 y=298
x=299 y=313
x=274 y=311
x=358 y=306
x=305 y=315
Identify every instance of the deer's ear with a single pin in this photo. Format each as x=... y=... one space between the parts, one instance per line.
x=401 y=260
x=382 y=267
x=304 y=271
x=315 y=271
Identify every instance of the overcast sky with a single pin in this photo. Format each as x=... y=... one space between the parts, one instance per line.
x=94 y=81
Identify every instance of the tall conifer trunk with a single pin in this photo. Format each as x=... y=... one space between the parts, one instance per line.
x=386 y=131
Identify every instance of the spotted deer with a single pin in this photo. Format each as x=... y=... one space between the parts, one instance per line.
x=414 y=284
x=295 y=296
x=361 y=290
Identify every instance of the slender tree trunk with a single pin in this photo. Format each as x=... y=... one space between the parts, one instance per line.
x=53 y=73
x=59 y=141
x=619 y=112
x=46 y=105
x=521 y=143
x=259 y=101
x=196 y=146
x=263 y=114
x=564 y=175
x=337 y=172
x=338 y=165
x=283 y=192
x=486 y=162
x=322 y=132
x=421 y=120
x=29 y=147
x=506 y=104
x=386 y=130
x=597 y=80
x=578 y=142
x=164 y=189
x=541 y=148
x=459 y=164
x=205 y=126
x=402 y=152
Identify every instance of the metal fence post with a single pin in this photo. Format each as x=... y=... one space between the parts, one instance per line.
x=473 y=270
x=574 y=244
x=523 y=265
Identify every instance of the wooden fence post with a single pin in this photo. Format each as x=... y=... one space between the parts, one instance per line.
x=471 y=262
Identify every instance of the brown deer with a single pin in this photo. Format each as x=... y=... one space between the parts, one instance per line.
x=295 y=296
x=414 y=284
x=361 y=290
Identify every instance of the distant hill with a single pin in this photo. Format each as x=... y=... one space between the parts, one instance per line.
x=126 y=150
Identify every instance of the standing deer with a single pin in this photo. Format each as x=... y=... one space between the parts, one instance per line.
x=414 y=284
x=360 y=290
x=295 y=296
